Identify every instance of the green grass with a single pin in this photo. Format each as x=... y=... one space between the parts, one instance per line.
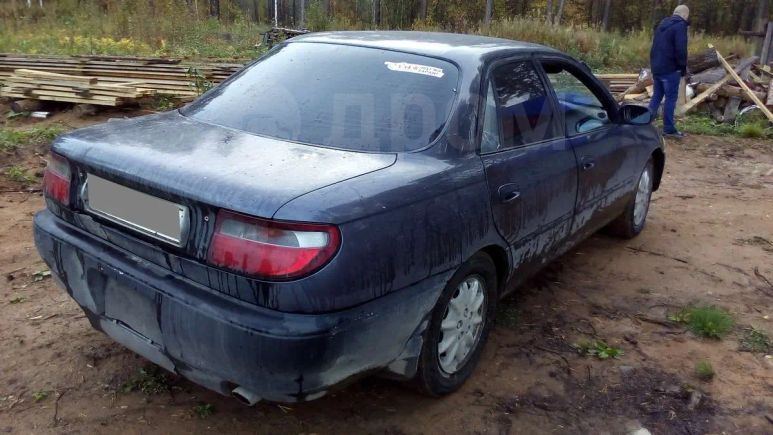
x=706 y=321
x=752 y=130
x=203 y=410
x=137 y=27
x=39 y=395
x=704 y=371
x=11 y=139
x=703 y=124
x=756 y=341
x=149 y=381
x=599 y=349
x=18 y=174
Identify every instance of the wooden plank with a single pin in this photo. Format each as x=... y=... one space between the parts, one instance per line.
x=769 y=101
x=53 y=76
x=37 y=92
x=751 y=94
x=765 y=54
x=617 y=76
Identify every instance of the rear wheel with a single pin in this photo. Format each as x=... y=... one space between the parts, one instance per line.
x=459 y=327
x=629 y=224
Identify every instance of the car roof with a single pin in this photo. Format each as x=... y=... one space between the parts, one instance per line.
x=456 y=47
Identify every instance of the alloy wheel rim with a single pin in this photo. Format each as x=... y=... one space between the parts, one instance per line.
x=462 y=324
x=642 y=201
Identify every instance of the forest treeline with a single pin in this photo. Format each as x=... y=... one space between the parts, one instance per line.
x=725 y=17
x=609 y=34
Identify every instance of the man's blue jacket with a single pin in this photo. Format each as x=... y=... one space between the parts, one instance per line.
x=669 y=46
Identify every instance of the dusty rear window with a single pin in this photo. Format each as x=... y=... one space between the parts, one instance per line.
x=337 y=96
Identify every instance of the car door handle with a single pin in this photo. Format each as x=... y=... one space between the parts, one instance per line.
x=508 y=193
x=587 y=166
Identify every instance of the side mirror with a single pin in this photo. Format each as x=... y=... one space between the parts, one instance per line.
x=635 y=114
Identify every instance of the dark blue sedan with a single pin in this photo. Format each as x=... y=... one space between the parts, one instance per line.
x=350 y=203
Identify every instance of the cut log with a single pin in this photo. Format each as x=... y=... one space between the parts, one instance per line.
x=702 y=61
x=751 y=94
x=731 y=109
x=19 y=106
x=732 y=91
x=711 y=75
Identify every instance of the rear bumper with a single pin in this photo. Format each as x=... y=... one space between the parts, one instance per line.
x=220 y=342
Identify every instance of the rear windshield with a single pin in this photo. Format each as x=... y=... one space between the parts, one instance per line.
x=336 y=96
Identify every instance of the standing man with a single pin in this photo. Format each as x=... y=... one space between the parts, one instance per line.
x=668 y=59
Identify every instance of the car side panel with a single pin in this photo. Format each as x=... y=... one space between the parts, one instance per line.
x=537 y=223
x=420 y=217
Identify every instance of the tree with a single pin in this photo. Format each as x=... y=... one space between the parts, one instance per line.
x=560 y=12
x=549 y=12
x=214 y=8
x=376 y=13
x=423 y=9
x=605 y=20
x=489 y=7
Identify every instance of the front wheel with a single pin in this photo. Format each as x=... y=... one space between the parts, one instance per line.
x=459 y=327
x=629 y=224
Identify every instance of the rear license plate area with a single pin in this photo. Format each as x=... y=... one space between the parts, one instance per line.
x=155 y=217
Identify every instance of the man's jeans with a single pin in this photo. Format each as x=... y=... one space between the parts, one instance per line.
x=668 y=85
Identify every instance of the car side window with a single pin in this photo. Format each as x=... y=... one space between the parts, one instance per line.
x=583 y=111
x=523 y=108
x=489 y=141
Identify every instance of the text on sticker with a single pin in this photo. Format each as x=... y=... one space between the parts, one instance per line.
x=415 y=68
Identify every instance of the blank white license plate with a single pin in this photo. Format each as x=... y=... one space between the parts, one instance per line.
x=155 y=217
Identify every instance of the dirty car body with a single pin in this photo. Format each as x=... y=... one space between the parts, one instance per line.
x=386 y=218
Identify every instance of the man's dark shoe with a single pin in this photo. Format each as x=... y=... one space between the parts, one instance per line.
x=675 y=135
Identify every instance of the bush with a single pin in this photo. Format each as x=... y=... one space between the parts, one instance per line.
x=704 y=371
x=706 y=321
x=755 y=130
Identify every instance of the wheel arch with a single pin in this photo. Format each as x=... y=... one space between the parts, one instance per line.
x=659 y=163
x=498 y=255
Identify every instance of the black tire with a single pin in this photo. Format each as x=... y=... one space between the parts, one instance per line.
x=431 y=378
x=625 y=225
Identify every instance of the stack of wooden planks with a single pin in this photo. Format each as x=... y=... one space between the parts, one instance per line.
x=618 y=83
x=146 y=76
x=42 y=85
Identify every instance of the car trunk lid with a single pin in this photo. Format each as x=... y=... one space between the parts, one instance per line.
x=175 y=156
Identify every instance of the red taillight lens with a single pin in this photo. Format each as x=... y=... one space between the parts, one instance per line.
x=268 y=249
x=56 y=179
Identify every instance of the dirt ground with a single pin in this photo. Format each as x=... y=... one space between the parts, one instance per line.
x=708 y=241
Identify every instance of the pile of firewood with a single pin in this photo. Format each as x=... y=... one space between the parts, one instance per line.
x=721 y=87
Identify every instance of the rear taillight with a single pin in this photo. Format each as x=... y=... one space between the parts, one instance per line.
x=269 y=249
x=56 y=179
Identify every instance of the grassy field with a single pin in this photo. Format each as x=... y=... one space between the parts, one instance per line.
x=163 y=27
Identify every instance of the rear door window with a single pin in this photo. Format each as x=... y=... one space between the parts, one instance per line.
x=337 y=96
x=524 y=110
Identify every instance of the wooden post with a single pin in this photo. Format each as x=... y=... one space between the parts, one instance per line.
x=766 y=54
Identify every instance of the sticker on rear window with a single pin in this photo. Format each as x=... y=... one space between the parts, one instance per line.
x=415 y=68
